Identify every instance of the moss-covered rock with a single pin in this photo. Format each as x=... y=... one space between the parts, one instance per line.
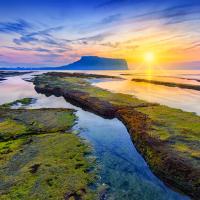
x=40 y=158
x=21 y=102
x=18 y=122
x=167 y=138
x=5 y=74
x=169 y=84
x=46 y=167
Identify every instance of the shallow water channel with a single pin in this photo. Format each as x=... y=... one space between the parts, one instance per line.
x=122 y=169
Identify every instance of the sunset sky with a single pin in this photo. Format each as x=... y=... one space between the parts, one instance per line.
x=56 y=32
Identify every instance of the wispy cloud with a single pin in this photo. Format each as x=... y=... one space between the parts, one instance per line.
x=49 y=58
x=88 y=39
x=43 y=36
x=28 y=49
x=95 y=38
x=100 y=24
x=117 y=28
x=28 y=36
x=171 y=15
x=58 y=51
x=111 y=44
x=25 y=39
x=19 y=26
x=110 y=19
x=194 y=46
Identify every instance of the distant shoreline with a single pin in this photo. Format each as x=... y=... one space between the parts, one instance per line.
x=169 y=84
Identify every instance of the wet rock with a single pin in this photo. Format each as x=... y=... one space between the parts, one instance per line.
x=80 y=75
x=75 y=195
x=34 y=168
x=174 y=168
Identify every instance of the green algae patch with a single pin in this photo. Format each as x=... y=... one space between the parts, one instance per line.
x=169 y=139
x=9 y=148
x=169 y=84
x=40 y=158
x=179 y=129
x=82 y=85
x=10 y=129
x=23 y=102
x=50 y=167
x=116 y=99
x=18 y=122
x=168 y=124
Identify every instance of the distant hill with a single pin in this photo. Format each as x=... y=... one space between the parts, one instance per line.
x=86 y=63
x=97 y=63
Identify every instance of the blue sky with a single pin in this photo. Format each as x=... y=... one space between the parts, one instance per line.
x=57 y=32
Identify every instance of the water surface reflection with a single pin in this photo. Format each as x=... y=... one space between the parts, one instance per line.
x=184 y=99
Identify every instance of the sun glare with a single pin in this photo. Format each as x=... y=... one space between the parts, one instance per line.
x=149 y=57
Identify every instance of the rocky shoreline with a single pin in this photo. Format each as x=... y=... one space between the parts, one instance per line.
x=153 y=137
x=5 y=74
x=40 y=157
x=169 y=84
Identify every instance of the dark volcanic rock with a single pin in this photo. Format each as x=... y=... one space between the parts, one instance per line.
x=4 y=74
x=169 y=84
x=82 y=99
x=80 y=75
x=166 y=162
x=175 y=171
x=34 y=168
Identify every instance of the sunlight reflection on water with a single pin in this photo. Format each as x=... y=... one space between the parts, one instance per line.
x=184 y=99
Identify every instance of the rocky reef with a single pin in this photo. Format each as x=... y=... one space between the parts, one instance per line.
x=40 y=157
x=5 y=74
x=169 y=139
x=169 y=84
x=19 y=102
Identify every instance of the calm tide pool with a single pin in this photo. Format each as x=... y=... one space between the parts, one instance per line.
x=122 y=170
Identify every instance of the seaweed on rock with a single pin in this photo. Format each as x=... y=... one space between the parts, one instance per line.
x=167 y=138
x=40 y=158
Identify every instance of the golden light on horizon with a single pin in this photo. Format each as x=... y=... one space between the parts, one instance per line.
x=149 y=57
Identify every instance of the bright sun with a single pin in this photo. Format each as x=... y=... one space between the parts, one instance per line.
x=149 y=57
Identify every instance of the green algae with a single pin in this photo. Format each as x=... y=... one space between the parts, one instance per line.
x=19 y=122
x=40 y=158
x=11 y=129
x=168 y=138
x=169 y=84
x=171 y=125
x=57 y=166
x=167 y=122
x=181 y=130
x=81 y=84
x=9 y=148
x=23 y=102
